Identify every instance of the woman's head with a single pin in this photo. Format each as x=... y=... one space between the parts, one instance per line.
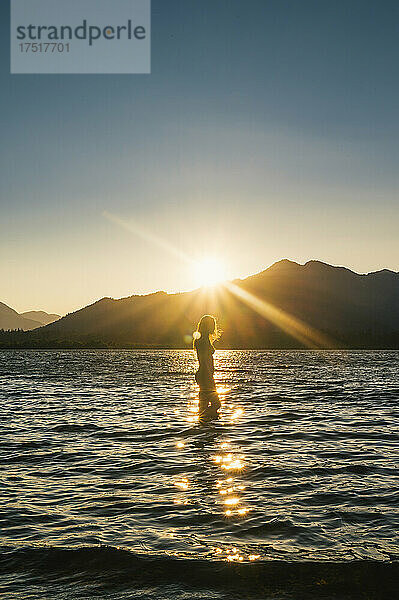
x=207 y=327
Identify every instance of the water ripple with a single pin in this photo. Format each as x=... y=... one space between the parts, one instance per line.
x=104 y=448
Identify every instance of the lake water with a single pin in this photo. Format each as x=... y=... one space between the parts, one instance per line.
x=111 y=488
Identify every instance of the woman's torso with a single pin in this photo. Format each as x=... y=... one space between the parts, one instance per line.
x=204 y=375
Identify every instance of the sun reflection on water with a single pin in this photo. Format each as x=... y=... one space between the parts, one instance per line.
x=234 y=554
x=220 y=454
x=192 y=408
x=183 y=483
x=228 y=490
x=232 y=501
x=222 y=390
x=237 y=414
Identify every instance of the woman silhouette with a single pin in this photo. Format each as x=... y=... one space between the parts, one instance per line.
x=204 y=337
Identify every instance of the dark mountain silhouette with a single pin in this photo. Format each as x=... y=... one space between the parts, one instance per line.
x=272 y=309
x=41 y=317
x=10 y=319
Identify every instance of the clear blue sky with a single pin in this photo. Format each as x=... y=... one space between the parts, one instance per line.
x=267 y=129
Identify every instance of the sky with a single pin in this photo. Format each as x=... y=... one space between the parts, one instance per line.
x=267 y=129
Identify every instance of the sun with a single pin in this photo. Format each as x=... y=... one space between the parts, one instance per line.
x=209 y=271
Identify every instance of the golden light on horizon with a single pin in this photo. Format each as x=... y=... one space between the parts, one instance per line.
x=210 y=271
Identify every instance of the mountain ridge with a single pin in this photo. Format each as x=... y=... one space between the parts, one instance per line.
x=351 y=309
x=40 y=316
x=10 y=319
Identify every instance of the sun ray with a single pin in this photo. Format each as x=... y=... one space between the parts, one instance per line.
x=148 y=236
x=210 y=298
x=304 y=333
